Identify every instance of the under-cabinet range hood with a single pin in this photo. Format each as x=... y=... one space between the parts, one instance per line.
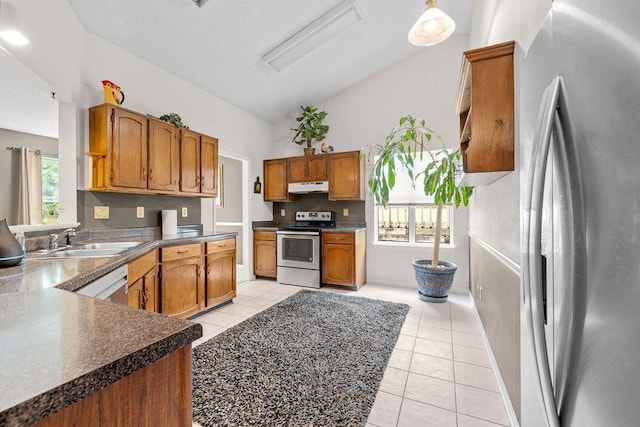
x=309 y=187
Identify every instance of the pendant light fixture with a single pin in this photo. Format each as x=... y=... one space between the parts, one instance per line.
x=8 y=25
x=432 y=27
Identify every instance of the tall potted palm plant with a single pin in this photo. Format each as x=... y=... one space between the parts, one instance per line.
x=408 y=141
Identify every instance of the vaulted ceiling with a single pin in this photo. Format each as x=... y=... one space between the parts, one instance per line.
x=218 y=47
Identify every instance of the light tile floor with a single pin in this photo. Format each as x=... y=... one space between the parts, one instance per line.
x=438 y=374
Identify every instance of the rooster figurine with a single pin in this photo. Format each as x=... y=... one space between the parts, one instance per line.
x=326 y=149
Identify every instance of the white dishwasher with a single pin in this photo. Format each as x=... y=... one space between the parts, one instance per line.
x=112 y=287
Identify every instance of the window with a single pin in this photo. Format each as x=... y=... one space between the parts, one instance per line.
x=412 y=223
x=50 y=194
x=410 y=215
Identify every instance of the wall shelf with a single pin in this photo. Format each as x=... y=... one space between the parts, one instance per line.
x=486 y=88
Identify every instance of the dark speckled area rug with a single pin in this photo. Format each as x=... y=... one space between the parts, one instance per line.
x=314 y=359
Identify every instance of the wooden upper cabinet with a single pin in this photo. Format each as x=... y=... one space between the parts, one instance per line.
x=129 y=150
x=208 y=165
x=275 y=181
x=164 y=156
x=485 y=104
x=346 y=180
x=198 y=163
x=307 y=168
x=189 y=161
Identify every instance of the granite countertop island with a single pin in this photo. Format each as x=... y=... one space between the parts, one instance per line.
x=59 y=347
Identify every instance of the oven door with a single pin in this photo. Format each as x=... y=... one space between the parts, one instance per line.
x=299 y=249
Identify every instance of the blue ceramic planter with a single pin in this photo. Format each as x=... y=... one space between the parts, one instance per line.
x=434 y=283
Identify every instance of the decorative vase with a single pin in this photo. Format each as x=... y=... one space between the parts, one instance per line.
x=309 y=151
x=434 y=283
x=10 y=250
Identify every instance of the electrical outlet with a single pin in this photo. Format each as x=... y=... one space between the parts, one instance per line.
x=345 y=212
x=282 y=212
x=184 y=212
x=140 y=212
x=101 y=212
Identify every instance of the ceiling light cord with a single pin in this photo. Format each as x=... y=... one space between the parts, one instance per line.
x=433 y=26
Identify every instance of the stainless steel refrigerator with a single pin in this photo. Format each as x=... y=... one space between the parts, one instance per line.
x=579 y=155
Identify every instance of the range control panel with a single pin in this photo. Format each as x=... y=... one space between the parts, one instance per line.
x=315 y=216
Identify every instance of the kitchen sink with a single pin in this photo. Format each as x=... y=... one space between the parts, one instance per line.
x=89 y=250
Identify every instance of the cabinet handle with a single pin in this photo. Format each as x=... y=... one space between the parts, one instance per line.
x=182 y=252
x=209 y=270
x=197 y=180
x=202 y=180
x=150 y=174
x=198 y=270
x=144 y=174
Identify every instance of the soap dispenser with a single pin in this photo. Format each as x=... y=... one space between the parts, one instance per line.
x=11 y=251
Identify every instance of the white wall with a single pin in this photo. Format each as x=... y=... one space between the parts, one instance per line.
x=424 y=85
x=74 y=62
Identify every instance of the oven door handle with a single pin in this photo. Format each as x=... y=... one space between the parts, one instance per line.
x=299 y=233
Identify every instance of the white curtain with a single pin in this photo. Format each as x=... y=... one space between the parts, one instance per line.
x=30 y=203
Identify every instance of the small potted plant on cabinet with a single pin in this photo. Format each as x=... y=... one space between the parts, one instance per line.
x=310 y=128
x=404 y=144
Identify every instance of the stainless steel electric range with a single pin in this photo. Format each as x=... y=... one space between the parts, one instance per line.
x=299 y=249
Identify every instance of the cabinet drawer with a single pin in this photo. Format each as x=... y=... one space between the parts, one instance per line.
x=179 y=252
x=221 y=245
x=264 y=235
x=345 y=238
x=139 y=266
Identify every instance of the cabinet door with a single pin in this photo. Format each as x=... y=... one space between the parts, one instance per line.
x=208 y=165
x=164 y=156
x=136 y=294
x=338 y=264
x=221 y=277
x=345 y=180
x=189 y=161
x=129 y=150
x=317 y=168
x=264 y=258
x=150 y=292
x=297 y=169
x=182 y=287
x=275 y=181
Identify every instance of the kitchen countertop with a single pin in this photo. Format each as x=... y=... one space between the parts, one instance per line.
x=71 y=274
x=59 y=347
x=340 y=227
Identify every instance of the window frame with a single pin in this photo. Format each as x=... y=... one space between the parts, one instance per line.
x=412 y=226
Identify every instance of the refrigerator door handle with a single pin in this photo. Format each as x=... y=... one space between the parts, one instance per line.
x=532 y=264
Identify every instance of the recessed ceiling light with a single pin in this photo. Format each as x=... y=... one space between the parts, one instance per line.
x=14 y=37
x=308 y=38
x=8 y=25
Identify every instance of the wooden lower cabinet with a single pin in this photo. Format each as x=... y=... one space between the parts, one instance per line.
x=159 y=394
x=264 y=254
x=343 y=258
x=221 y=277
x=143 y=282
x=182 y=280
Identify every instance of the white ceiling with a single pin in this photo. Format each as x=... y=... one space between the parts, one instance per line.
x=218 y=47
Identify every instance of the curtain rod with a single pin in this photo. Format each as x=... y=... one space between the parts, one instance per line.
x=20 y=148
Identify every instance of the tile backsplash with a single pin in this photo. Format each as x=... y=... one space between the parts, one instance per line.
x=122 y=209
x=320 y=202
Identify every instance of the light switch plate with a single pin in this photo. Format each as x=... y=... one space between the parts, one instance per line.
x=184 y=212
x=101 y=212
x=140 y=212
x=345 y=212
x=282 y=212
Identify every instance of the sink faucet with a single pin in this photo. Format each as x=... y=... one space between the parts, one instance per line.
x=53 y=243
